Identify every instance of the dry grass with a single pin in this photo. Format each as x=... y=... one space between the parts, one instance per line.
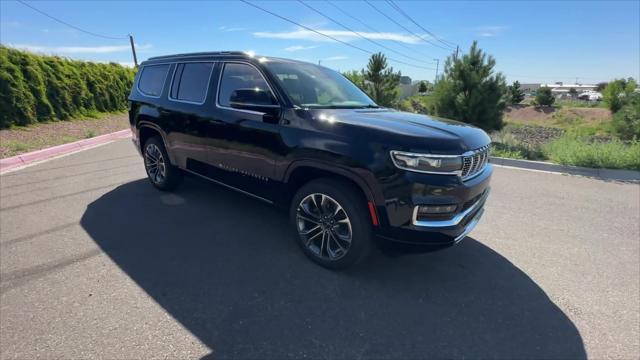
x=19 y=140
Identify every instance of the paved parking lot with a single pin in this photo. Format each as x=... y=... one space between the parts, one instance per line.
x=96 y=263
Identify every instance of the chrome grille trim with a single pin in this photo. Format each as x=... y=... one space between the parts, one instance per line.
x=473 y=162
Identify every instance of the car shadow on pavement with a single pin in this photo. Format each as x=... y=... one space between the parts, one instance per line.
x=228 y=269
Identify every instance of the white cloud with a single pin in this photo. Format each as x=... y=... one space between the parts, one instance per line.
x=489 y=31
x=230 y=29
x=302 y=34
x=78 y=49
x=300 y=47
x=335 y=58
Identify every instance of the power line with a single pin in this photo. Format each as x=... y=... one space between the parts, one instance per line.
x=326 y=35
x=71 y=26
x=374 y=30
x=358 y=34
x=398 y=9
x=404 y=27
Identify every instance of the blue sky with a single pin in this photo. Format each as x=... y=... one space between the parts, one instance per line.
x=532 y=41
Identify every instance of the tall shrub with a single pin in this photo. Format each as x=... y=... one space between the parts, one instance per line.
x=544 y=96
x=617 y=93
x=626 y=122
x=41 y=88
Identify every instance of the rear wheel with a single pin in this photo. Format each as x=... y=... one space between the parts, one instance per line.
x=332 y=223
x=160 y=172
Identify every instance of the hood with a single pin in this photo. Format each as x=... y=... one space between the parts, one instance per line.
x=414 y=131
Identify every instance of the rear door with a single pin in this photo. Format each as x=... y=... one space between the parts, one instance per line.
x=189 y=111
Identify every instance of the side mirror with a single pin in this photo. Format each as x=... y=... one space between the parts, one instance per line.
x=253 y=99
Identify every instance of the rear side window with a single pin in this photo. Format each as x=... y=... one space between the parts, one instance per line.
x=191 y=82
x=152 y=79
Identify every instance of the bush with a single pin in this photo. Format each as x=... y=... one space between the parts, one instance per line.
x=617 y=93
x=626 y=122
x=544 y=97
x=36 y=88
x=570 y=150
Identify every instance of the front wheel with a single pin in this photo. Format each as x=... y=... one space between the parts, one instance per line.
x=332 y=223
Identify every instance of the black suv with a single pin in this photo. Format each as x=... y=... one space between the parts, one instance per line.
x=304 y=137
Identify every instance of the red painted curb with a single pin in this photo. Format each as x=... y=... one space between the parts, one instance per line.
x=39 y=155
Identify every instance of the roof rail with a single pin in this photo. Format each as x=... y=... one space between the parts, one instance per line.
x=207 y=53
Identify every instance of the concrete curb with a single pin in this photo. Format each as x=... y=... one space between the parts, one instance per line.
x=44 y=154
x=605 y=174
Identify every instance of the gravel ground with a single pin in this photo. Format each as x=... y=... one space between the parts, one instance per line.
x=96 y=263
x=21 y=140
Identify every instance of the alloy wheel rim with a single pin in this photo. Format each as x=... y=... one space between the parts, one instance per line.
x=155 y=164
x=324 y=226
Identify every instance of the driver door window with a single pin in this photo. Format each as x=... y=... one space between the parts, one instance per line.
x=242 y=84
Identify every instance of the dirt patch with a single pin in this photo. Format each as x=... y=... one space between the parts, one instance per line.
x=21 y=140
x=548 y=116
x=592 y=114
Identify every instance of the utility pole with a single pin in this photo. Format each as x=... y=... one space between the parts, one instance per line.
x=319 y=62
x=437 y=65
x=133 y=50
x=456 y=55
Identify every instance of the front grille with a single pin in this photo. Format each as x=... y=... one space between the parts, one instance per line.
x=473 y=163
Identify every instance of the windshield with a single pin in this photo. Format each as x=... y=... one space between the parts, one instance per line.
x=312 y=86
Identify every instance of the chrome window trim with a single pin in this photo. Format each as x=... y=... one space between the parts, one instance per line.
x=206 y=93
x=163 y=83
x=218 y=105
x=450 y=222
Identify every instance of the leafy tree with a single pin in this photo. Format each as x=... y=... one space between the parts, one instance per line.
x=423 y=87
x=470 y=91
x=626 y=122
x=573 y=92
x=544 y=97
x=383 y=82
x=516 y=95
x=617 y=93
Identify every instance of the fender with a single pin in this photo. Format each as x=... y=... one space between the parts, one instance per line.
x=148 y=124
x=362 y=178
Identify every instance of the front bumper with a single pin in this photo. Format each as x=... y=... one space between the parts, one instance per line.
x=400 y=221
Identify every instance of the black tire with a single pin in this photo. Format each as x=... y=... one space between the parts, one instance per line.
x=166 y=177
x=354 y=207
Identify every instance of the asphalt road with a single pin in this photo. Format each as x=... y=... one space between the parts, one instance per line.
x=96 y=263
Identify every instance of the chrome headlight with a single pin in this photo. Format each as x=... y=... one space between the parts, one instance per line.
x=428 y=163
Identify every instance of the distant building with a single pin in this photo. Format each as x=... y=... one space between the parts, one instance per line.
x=409 y=87
x=405 y=80
x=529 y=89
x=558 y=89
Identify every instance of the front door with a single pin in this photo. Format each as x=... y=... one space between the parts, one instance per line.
x=246 y=143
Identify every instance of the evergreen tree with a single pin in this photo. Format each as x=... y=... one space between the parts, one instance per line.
x=516 y=95
x=423 y=87
x=470 y=91
x=382 y=83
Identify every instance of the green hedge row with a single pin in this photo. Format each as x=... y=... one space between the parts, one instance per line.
x=36 y=88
